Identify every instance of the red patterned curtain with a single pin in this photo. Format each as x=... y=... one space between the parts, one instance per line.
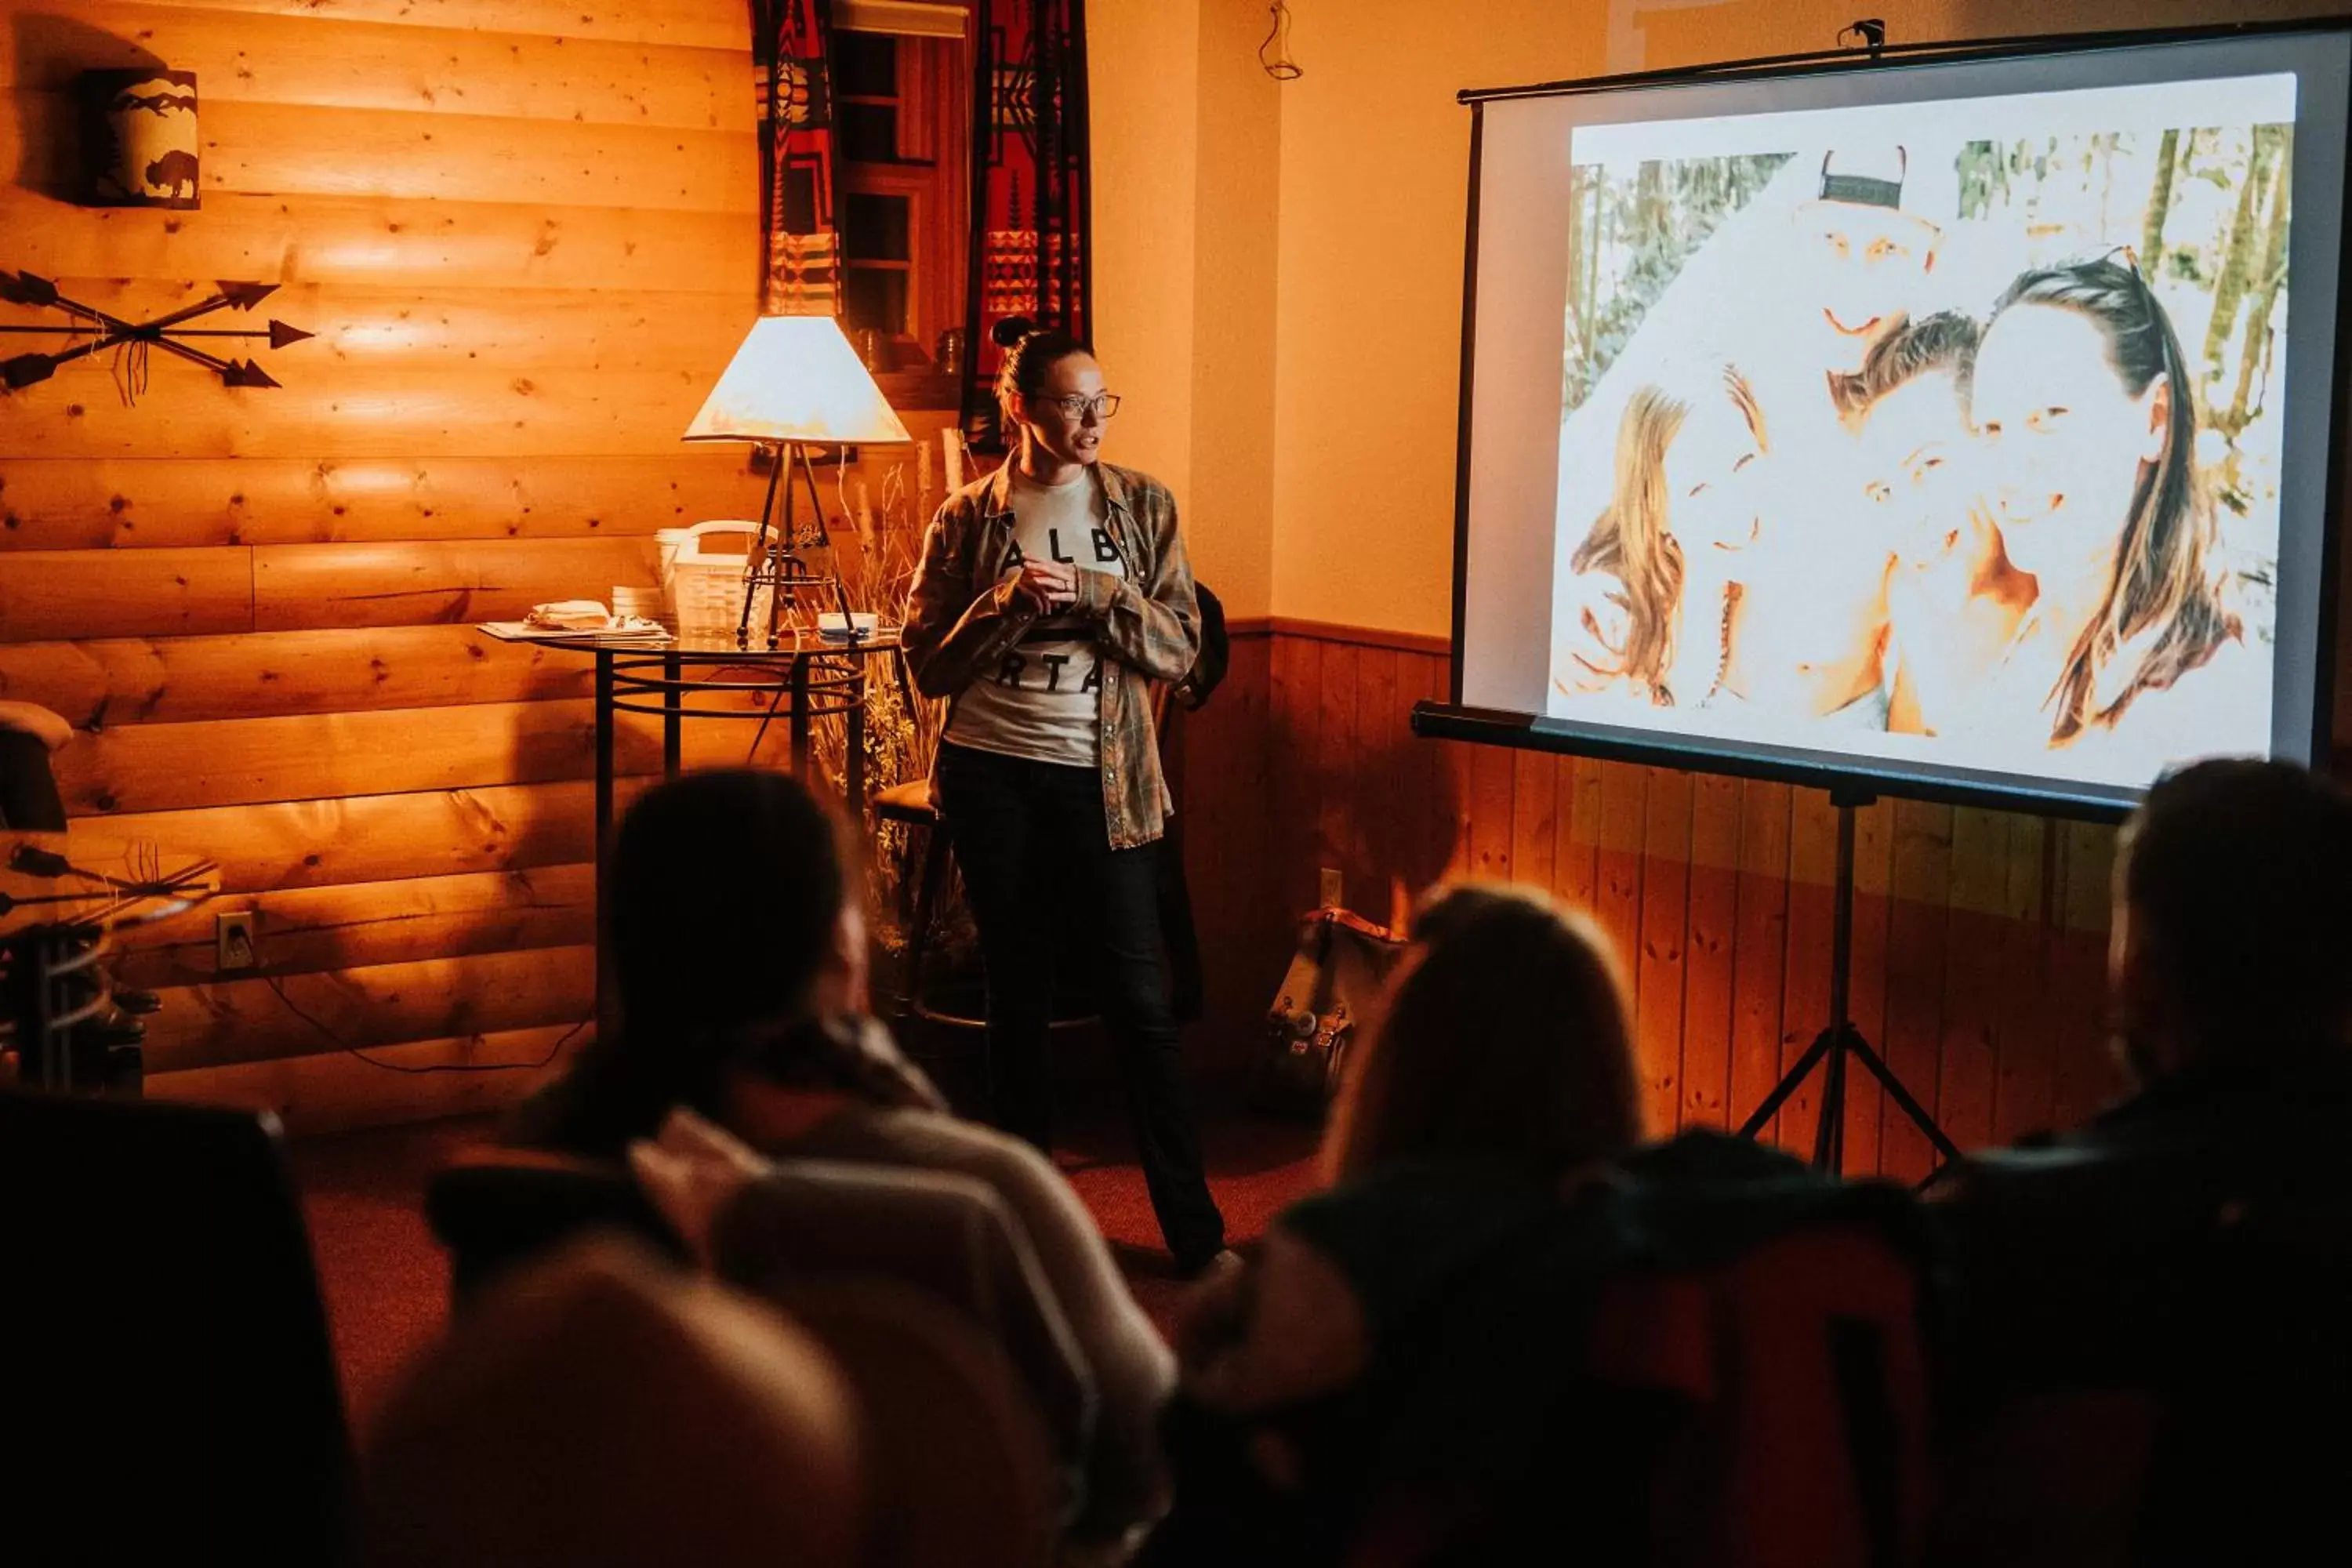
x=789 y=40
x=1029 y=199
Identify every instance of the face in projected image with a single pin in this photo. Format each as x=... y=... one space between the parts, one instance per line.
x=1866 y=266
x=1861 y=258
x=1684 y=503
x=1917 y=452
x=2067 y=442
x=2091 y=464
x=1710 y=496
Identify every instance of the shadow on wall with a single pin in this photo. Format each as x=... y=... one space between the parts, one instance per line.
x=55 y=127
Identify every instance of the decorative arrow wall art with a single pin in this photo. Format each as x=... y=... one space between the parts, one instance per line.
x=164 y=332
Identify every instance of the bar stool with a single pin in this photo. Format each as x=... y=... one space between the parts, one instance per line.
x=909 y=805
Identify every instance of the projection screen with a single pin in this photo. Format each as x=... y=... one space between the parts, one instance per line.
x=1963 y=428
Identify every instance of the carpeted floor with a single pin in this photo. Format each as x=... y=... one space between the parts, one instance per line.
x=387 y=1284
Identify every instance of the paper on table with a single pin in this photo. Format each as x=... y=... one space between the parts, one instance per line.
x=522 y=631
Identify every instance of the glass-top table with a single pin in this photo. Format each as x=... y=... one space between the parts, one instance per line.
x=804 y=678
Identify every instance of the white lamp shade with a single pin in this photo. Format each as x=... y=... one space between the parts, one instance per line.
x=796 y=379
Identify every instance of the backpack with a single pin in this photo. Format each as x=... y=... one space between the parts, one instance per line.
x=1341 y=962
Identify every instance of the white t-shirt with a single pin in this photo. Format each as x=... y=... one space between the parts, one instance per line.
x=1043 y=702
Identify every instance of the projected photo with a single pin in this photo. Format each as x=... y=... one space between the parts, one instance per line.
x=1946 y=431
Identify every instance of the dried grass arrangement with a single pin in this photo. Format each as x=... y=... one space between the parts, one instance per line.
x=875 y=525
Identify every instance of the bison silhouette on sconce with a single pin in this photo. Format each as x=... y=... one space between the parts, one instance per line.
x=146 y=151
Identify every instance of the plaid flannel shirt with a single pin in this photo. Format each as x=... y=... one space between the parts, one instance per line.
x=963 y=615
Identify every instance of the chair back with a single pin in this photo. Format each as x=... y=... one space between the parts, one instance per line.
x=946 y=1237
x=599 y=1408
x=29 y=801
x=2192 y=1288
x=504 y=1206
x=959 y=1467
x=168 y=1390
x=1802 y=1370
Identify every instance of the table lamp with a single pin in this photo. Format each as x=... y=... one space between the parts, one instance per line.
x=794 y=381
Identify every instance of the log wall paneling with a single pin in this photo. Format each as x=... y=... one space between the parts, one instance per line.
x=262 y=1020
x=295 y=151
x=356 y=326
x=50 y=595
x=1979 y=936
x=292 y=60
x=325 y=410
x=357 y=925
x=367 y=839
x=384 y=242
x=689 y=23
x=469 y=1076
x=198 y=502
x=525 y=233
x=177 y=767
x=300 y=586
x=172 y=681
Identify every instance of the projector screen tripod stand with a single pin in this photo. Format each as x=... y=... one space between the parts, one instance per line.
x=1840 y=1039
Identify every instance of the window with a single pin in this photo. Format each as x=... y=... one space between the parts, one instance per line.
x=902 y=108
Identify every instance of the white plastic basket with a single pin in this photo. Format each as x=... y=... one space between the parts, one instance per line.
x=706 y=581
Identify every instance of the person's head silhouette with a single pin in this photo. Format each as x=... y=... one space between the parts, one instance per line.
x=732 y=905
x=2232 y=934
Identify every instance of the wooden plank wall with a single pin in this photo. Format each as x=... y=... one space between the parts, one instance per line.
x=1979 y=936
x=526 y=235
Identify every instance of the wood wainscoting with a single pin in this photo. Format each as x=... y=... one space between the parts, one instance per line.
x=1979 y=936
x=526 y=233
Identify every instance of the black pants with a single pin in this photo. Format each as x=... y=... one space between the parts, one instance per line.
x=1046 y=884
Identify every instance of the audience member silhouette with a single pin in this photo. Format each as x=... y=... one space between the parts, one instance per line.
x=2188 y=1252
x=598 y=1410
x=741 y=956
x=1340 y=1368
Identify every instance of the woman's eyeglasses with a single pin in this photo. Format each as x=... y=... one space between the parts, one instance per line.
x=1102 y=405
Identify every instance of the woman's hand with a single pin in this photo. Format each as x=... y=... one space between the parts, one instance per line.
x=691 y=1172
x=1054 y=584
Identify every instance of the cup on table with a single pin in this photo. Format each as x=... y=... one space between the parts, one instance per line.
x=645 y=604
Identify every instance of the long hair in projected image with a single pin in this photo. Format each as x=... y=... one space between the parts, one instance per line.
x=1679 y=608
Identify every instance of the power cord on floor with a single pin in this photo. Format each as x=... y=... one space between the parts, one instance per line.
x=278 y=990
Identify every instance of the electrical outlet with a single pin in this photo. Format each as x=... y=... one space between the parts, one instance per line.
x=233 y=944
x=1330 y=896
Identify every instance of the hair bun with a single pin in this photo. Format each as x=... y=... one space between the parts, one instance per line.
x=1009 y=331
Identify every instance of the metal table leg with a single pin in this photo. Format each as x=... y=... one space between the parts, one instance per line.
x=671 y=724
x=854 y=730
x=799 y=720
x=608 y=1010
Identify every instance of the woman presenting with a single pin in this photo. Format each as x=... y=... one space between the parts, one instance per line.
x=1051 y=594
